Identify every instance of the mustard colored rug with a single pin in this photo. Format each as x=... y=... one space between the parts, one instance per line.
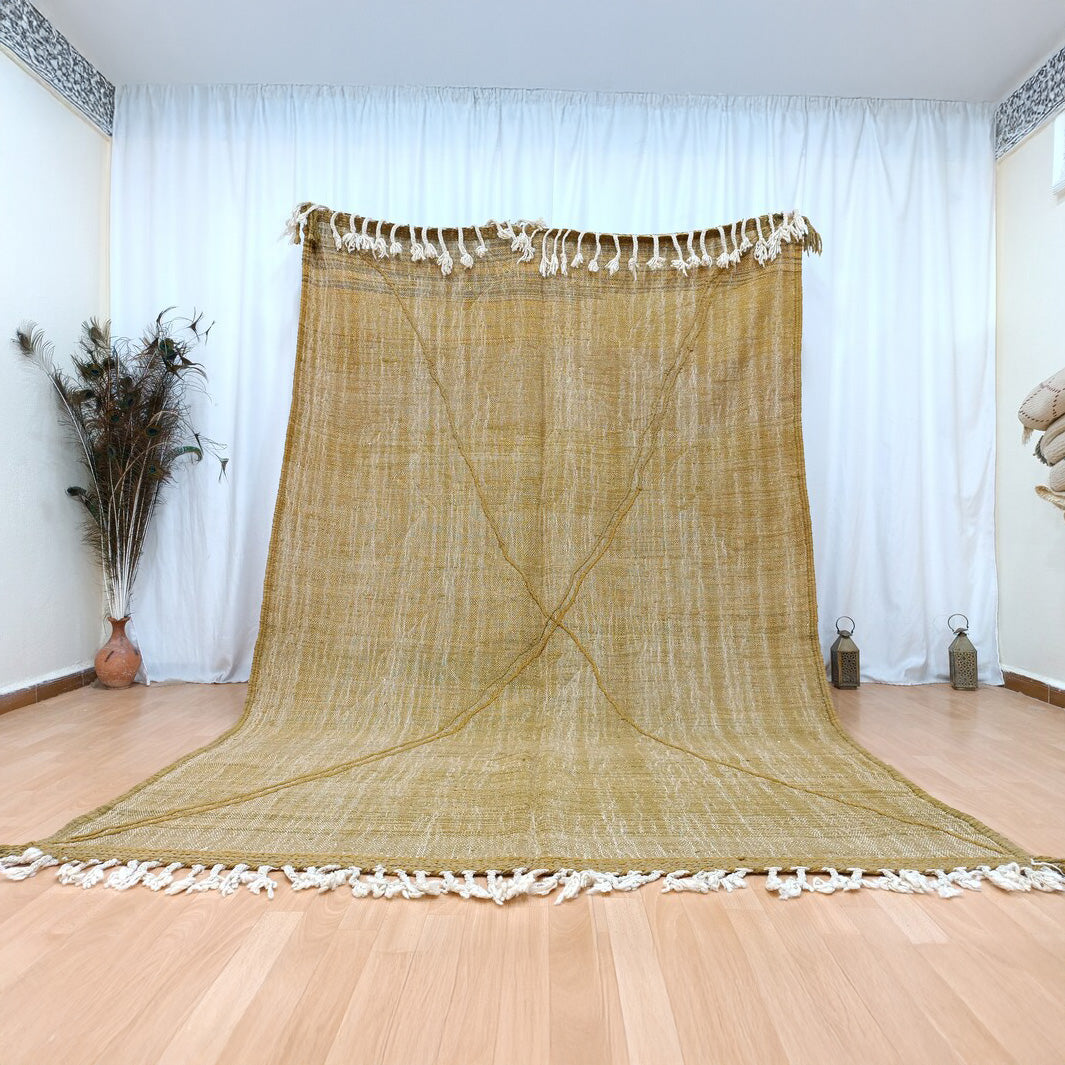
x=540 y=596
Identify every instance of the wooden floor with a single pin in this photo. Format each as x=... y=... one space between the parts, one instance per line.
x=98 y=976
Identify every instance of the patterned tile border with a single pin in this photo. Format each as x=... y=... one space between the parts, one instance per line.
x=31 y=37
x=1026 y=108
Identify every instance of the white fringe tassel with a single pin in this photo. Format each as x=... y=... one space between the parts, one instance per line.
x=742 y=237
x=500 y=888
x=1038 y=876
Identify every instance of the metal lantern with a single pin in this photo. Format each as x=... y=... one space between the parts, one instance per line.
x=843 y=658
x=962 y=656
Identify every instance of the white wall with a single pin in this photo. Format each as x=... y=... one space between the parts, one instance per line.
x=53 y=270
x=1031 y=346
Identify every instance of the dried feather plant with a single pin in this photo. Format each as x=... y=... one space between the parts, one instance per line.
x=127 y=407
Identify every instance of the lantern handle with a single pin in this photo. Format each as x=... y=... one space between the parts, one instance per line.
x=964 y=628
x=846 y=617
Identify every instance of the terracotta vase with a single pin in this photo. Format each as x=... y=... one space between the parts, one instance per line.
x=118 y=660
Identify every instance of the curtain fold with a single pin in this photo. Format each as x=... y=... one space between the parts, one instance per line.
x=898 y=371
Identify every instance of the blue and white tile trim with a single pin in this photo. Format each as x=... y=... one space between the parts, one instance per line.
x=35 y=41
x=1028 y=107
x=29 y=35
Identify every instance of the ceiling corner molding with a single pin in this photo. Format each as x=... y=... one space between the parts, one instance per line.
x=1027 y=108
x=29 y=36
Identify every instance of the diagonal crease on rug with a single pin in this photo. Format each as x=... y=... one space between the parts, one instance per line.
x=539 y=609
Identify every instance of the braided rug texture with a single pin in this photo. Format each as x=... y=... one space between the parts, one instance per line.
x=540 y=593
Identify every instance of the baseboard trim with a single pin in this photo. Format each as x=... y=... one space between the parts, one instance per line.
x=37 y=693
x=81 y=678
x=1034 y=689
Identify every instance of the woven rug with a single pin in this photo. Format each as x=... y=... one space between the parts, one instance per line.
x=540 y=596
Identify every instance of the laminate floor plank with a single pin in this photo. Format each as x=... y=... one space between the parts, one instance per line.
x=136 y=977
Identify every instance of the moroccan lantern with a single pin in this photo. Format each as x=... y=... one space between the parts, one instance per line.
x=843 y=658
x=962 y=656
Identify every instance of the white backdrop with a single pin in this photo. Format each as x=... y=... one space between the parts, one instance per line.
x=898 y=375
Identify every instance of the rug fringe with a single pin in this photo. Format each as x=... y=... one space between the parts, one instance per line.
x=721 y=247
x=1039 y=876
x=500 y=888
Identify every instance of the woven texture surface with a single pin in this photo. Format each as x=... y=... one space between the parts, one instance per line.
x=540 y=594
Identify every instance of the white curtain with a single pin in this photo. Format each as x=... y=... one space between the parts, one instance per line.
x=898 y=378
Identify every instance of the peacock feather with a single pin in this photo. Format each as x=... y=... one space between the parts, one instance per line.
x=127 y=407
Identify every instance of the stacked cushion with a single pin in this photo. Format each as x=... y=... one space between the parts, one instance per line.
x=1045 y=403
x=1044 y=409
